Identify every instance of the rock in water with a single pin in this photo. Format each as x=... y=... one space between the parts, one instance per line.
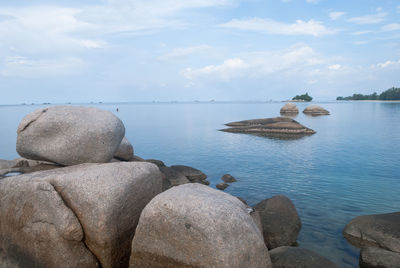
x=193 y=225
x=315 y=110
x=372 y=257
x=70 y=135
x=194 y=175
x=379 y=230
x=228 y=178
x=278 y=127
x=124 y=151
x=76 y=216
x=222 y=186
x=289 y=109
x=294 y=257
x=280 y=221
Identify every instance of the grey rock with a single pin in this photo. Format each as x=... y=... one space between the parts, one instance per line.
x=241 y=199
x=257 y=220
x=194 y=175
x=278 y=127
x=193 y=225
x=379 y=230
x=159 y=163
x=105 y=201
x=315 y=110
x=124 y=151
x=228 y=178
x=70 y=135
x=372 y=257
x=289 y=108
x=295 y=257
x=174 y=177
x=137 y=159
x=222 y=186
x=280 y=221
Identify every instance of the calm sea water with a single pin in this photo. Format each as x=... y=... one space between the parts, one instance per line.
x=350 y=167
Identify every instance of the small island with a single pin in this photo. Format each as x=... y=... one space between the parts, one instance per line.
x=388 y=95
x=304 y=97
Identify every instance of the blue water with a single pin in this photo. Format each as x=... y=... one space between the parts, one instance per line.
x=350 y=167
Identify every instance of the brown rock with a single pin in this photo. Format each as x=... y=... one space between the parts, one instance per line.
x=289 y=109
x=315 y=110
x=372 y=257
x=222 y=186
x=228 y=178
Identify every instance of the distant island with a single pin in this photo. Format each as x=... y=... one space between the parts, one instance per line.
x=390 y=94
x=304 y=97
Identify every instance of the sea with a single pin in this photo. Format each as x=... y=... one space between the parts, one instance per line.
x=350 y=167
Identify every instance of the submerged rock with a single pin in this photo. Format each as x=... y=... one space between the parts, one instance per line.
x=280 y=221
x=75 y=216
x=69 y=135
x=194 y=175
x=222 y=186
x=295 y=257
x=193 y=225
x=373 y=257
x=315 y=110
x=379 y=230
x=228 y=178
x=174 y=177
x=124 y=151
x=279 y=127
x=289 y=109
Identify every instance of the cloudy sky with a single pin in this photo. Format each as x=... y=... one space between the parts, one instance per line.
x=145 y=50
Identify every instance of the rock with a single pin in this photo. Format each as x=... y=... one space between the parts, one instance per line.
x=194 y=175
x=174 y=177
x=295 y=257
x=124 y=151
x=222 y=186
x=241 y=199
x=315 y=110
x=379 y=230
x=278 y=127
x=280 y=221
x=159 y=163
x=193 y=225
x=372 y=257
x=70 y=135
x=23 y=166
x=137 y=159
x=257 y=220
x=228 y=178
x=103 y=201
x=289 y=109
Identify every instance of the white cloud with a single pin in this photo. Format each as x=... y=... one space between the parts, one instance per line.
x=336 y=15
x=391 y=27
x=360 y=43
x=312 y=1
x=369 y=19
x=388 y=64
x=362 y=32
x=259 y=64
x=334 y=67
x=179 y=53
x=270 y=26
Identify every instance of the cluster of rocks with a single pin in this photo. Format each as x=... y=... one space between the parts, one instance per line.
x=227 y=178
x=378 y=236
x=85 y=200
x=290 y=109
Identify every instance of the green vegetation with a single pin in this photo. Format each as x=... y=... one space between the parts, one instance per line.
x=390 y=94
x=304 y=97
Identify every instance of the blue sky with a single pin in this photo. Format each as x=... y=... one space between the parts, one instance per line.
x=145 y=50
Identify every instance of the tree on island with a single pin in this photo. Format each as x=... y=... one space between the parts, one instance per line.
x=390 y=94
x=304 y=97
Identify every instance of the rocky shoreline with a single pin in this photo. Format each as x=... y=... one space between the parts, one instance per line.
x=100 y=205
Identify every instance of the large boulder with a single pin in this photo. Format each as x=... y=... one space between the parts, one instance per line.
x=193 y=225
x=124 y=151
x=70 y=135
x=315 y=110
x=76 y=216
x=294 y=257
x=277 y=127
x=280 y=222
x=379 y=230
x=373 y=257
x=289 y=109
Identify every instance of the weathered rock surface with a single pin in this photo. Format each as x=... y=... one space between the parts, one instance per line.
x=70 y=135
x=294 y=257
x=280 y=221
x=315 y=110
x=222 y=186
x=124 y=151
x=193 y=175
x=174 y=177
x=372 y=257
x=379 y=230
x=158 y=163
x=85 y=207
x=289 y=109
x=193 y=225
x=279 y=127
x=228 y=178
x=23 y=166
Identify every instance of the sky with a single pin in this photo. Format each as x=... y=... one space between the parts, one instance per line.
x=62 y=51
